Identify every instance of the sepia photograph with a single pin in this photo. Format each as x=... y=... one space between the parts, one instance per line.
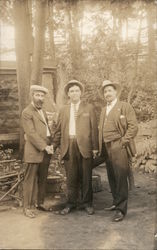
x=78 y=124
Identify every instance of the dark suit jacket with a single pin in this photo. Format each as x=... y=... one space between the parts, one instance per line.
x=125 y=120
x=35 y=134
x=86 y=130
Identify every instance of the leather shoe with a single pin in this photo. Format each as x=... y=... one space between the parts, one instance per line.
x=41 y=208
x=65 y=211
x=89 y=210
x=113 y=207
x=119 y=216
x=29 y=213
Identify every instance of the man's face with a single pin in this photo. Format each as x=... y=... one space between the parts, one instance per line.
x=74 y=94
x=38 y=98
x=110 y=93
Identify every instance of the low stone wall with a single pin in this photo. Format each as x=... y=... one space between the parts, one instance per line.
x=146 y=160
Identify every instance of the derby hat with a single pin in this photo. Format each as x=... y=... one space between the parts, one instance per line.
x=107 y=83
x=40 y=88
x=72 y=83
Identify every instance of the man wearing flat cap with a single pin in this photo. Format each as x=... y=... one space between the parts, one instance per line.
x=79 y=144
x=117 y=128
x=37 y=151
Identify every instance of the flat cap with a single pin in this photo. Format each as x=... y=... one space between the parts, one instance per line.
x=40 y=88
x=72 y=83
x=109 y=83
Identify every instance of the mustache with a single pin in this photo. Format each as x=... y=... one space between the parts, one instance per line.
x=40 y=102
x=108 y=96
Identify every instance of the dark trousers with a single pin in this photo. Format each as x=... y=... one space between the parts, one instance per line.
x=117 y=171
x=34 y=184
x=79 y=176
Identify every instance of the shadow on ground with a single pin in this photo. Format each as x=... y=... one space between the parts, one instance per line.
x=78 y=230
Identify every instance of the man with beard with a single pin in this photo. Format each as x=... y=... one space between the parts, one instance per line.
x=117 y=128
x=37 y=151
x=79 y=144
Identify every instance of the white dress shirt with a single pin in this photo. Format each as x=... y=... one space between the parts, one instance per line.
x=110 y=106
x=72 y=123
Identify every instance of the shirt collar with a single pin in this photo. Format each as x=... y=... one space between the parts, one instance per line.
x=77 y=104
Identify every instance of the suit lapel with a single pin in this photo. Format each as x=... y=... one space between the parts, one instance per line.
x=117 y=109
x=102 y=118
x=46 y=119
x=45 y=115
x=68 y=112
x=36 y=113
x=80 y=110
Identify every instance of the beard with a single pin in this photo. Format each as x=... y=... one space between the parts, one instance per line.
x=109 y=98
x=38 y=104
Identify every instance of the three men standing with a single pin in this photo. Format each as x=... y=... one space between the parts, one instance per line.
x=117 y=128
x=79 y=144
x=37 y=151
x=77 y=134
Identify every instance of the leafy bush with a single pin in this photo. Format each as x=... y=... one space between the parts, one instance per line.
x=5 y=154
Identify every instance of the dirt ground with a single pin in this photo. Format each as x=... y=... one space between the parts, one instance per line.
x=78 y=230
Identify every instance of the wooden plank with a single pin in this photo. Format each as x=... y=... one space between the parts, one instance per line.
x=6 y=161
x=9 y=137
x=15 y=174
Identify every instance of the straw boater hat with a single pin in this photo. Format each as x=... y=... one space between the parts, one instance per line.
x=40 y=88
x=109 y=83
x=72 y=83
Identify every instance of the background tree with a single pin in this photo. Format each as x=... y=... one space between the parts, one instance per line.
x=23 y=53
x=23 y=50
x=97 y=40
x=39 y=41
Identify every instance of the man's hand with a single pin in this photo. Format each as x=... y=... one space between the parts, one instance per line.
x=95 y=153
x=49 y=149
x=124 y=142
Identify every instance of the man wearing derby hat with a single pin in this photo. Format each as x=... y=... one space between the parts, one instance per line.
x=79 y=144
x=117 y=128
x=37 y=151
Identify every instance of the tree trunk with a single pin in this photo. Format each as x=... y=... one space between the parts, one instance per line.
x=62 y=79
x=72 y=13
x=23 y=51
x=133 y=84
x=151 y=35
x=127 y=27
x=51 y=31
x=39 y=41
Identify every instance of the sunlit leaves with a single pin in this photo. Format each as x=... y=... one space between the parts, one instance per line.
x=6 y=11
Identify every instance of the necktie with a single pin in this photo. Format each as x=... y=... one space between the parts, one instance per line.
x=75 y=112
